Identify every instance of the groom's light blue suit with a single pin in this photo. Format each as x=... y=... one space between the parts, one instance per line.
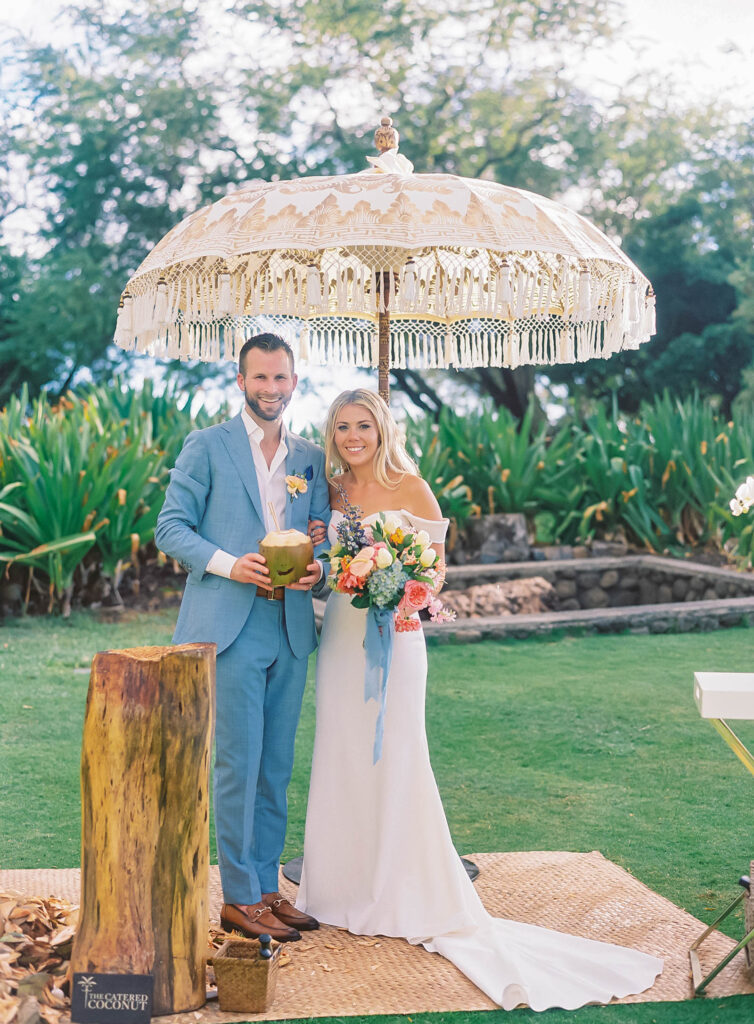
x=213 y=502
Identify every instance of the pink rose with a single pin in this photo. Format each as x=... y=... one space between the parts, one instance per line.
x=416 y=595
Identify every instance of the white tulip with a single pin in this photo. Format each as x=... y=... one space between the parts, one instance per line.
x=384 y=558
x=391 y=523
x=422 y=539
x=427 y=557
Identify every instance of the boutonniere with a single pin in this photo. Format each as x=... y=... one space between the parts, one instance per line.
x=296 y=483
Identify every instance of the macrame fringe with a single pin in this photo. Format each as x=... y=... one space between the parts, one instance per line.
x=441 y=316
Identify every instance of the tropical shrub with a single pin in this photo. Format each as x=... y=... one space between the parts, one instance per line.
x=87 y=474
x=82 y=482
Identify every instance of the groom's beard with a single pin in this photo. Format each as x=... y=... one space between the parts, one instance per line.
x=265 y=412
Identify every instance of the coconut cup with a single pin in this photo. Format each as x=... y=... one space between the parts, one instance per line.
x=287 y=553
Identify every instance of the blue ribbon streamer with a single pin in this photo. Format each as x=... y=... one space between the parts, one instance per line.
x=378 y=647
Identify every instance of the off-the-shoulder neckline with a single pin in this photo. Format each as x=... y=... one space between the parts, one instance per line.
x=397 y=511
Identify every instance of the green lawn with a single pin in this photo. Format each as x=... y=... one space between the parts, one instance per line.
x=574 y=743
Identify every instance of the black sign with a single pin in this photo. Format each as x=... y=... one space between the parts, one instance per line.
x=112 y=998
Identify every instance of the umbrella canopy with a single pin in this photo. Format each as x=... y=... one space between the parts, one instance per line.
x=444 y=271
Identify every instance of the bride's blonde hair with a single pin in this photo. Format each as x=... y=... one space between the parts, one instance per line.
x=391 y=460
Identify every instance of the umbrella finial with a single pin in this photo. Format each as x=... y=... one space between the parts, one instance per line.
x=390 y=161
x=386 y=137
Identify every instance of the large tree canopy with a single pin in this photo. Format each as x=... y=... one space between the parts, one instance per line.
x=161 y=108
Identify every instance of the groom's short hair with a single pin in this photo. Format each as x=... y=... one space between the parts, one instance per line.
x=267 y=343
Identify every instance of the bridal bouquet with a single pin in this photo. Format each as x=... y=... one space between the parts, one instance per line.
x=387 y=567
x=393 y=573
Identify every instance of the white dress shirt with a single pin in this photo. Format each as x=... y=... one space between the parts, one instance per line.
x=272 y=489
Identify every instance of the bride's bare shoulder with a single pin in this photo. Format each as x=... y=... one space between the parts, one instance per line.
x=415 y=495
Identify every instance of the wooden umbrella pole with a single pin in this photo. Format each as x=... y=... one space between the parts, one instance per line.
x=383 y=336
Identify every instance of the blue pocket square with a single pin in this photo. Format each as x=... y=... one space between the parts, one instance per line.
x=308 y=473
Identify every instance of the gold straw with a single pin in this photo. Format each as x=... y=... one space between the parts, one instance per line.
x=274 y=517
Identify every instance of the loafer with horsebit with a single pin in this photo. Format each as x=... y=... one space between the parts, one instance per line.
x=254 y=920
x=285 y=911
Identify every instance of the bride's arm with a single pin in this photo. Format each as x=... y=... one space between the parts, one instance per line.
x=417 y=499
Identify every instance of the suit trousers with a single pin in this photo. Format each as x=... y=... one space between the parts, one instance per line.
x=260 y=685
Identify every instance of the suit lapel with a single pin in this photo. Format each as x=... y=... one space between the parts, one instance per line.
x=293 y=462
x=237 y=442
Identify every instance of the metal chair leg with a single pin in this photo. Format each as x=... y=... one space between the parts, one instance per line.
x=698 y=980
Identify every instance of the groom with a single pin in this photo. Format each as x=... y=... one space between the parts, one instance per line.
x=217 y=509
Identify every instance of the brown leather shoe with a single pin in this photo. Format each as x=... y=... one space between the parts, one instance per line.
x=253 y=920
x=288 y=914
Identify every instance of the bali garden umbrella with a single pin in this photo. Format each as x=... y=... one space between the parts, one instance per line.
x=388 y=268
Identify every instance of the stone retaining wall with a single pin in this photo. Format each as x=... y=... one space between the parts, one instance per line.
x=615 y=582
x=682 y=596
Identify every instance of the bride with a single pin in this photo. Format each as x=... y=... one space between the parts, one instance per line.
x=378 y=855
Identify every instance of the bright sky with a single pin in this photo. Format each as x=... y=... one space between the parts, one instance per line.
x=708 y=46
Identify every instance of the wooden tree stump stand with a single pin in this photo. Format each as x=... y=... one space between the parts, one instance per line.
x=145 y=820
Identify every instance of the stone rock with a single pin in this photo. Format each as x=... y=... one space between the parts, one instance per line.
x=565 y=588
x=647 y=592
x=533 y=595
x=504 y=538
x=609 y=578
x=579 y=551
x=11 y=597
x=731 y=619
x=557 y=552
x=680 y=589
x=629 y=580
x=664 y=593
x=621 y=598
x=589 y=579
x=595 y=597
x=659 y=626
x=571 y=604
x=609 y=548
x=499 y=538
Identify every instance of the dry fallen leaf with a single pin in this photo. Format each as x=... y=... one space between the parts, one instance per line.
x=36 y=936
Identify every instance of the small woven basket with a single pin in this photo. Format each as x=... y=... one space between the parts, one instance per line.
x=245 y=982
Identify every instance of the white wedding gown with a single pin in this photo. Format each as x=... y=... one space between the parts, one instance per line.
x=378 y=856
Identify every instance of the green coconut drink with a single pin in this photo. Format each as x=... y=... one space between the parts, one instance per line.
x=287 y=553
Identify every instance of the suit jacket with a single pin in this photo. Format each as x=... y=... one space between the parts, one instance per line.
x=213 y=502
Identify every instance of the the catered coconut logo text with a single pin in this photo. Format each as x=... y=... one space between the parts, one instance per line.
x=94 y=1000
x=112 y=998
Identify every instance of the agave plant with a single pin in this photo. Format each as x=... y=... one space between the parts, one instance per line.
x=439 y=468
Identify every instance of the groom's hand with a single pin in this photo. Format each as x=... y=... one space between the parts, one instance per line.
x=314 y=572
x=251 y=568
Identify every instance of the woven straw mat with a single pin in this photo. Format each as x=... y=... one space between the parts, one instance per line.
x=334 y=974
